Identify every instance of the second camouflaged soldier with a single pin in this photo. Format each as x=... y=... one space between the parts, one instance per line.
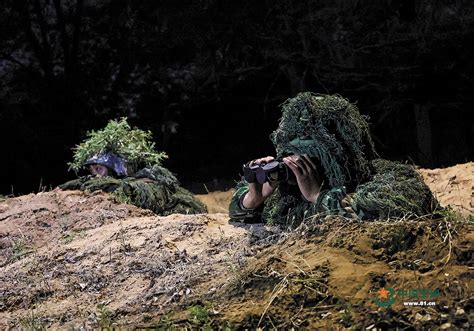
x=123 y=161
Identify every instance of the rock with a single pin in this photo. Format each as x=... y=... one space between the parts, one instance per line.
x=425 y=267
x=422 y=318
x=445 y=326
x=459 y=311
x=378 y=253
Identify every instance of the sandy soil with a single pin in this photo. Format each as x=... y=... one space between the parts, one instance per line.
x=453 y=186
x=216 y=202
x=75 y=260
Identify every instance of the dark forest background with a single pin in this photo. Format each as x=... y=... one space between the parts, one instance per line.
x=207 y=78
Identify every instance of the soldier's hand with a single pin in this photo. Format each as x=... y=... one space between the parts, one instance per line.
x=306 y=174
x=258 y=193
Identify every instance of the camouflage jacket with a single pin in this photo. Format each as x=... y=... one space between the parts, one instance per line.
x=286 y=206
x=156 y=189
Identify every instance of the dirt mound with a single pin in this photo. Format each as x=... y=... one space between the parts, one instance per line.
x=33 y=220
x=70 y=258
x=216 y=202
x=453 y=186
x=330 y=274
x=75 y=260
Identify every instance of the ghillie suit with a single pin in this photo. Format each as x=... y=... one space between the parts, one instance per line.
x=137 y=176
x=331 y=131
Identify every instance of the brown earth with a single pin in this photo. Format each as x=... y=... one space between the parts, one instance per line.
x=216 y=202
x=76 y=260
x=453 y=186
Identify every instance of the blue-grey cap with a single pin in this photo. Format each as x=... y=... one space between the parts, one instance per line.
x=111 y=161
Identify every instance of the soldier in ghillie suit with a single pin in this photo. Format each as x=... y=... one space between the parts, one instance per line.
x=123 y=161
x=324 y=143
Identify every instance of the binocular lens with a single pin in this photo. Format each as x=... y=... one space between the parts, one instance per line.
x=271 y=165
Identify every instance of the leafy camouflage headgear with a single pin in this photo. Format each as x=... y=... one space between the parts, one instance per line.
x=330 y=129
x=133 y=146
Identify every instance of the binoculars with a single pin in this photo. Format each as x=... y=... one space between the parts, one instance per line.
x=273 y=171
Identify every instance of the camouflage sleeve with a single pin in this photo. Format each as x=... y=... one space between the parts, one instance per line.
x=157 y=197
x=336 y=202
x=91 y=184
x=74 y=184
x=185 y=203
x=290 y=210
x=237 y=212
x=286 y=210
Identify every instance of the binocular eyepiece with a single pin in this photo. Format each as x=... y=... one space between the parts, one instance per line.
x=273 y=171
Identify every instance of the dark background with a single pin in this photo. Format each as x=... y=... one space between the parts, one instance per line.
x=207 y=78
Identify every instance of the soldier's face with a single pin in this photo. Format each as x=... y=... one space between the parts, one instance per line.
x=98 y=170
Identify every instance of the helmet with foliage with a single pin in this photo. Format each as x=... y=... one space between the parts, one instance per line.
x=118 y=147
x=331 y=130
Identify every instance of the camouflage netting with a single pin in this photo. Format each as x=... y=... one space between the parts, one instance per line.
x=396 y=190
x=285 y=207
x=155 y=189
x=330 y=129
x=152 y=187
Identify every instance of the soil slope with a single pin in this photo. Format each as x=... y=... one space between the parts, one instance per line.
x=453 y=186
x=77 y=260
